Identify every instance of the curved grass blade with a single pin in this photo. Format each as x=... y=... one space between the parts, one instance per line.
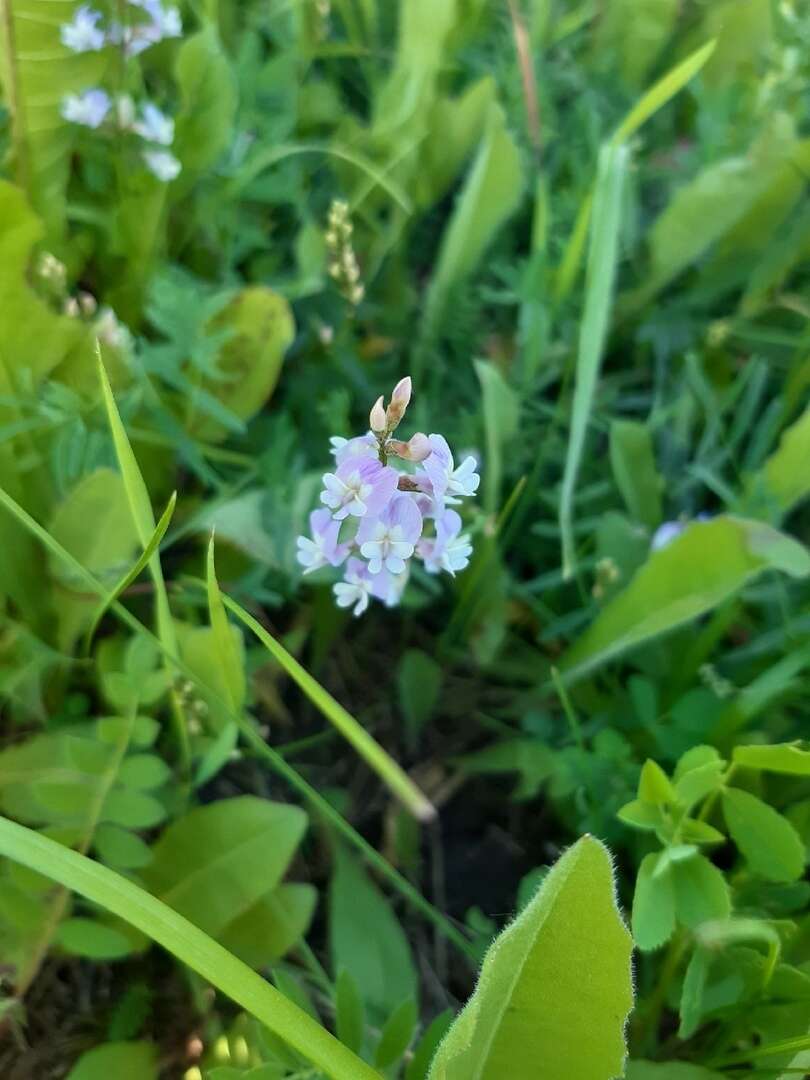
x=136 y=571
x=231 y=664
x=185 y=941
x=368 y=748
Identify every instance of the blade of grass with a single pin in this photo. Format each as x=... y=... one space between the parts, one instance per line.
x=252 y=737
x=137 y=569
x=144 y=519
x=662 y=91
x=392 y=774
x=648 y=104
x=231 y=664
x=189 y=944
x=601 y=275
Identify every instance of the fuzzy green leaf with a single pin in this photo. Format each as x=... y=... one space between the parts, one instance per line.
x=555 y=987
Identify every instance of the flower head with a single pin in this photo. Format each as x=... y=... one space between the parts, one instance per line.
x=88 y=108
x=390 y=539
x=390 y=515
x=82 y=33
x=361 y=486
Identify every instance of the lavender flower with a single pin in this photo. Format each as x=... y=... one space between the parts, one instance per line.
x=88 y=108
x=448 y=483
x=360 y=486
x=390 y=539
x=388 y=516
x=82 y=33
x=323 y=549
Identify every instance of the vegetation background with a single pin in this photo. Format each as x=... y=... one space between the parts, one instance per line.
x=583 y=228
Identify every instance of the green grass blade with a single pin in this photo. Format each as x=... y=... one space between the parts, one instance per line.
x=661 y=92
x=231 y=664
x=602 y=260
x=136 y=571
x=368 y=748
x=185 y=941
x=139 y=502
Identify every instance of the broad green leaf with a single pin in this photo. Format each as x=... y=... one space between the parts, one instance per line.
x=784 y=480
x=489 y=196
x=216 y=862
x=454 y=129
x=694 y=982
x=120 y=848
x=144 y=772
x=771 y=846
x=93 y=939
x=501 y=409
x=603 y=257
x=132 y=809
x=124 y=1061
x=260 y=327
x=349 y=1013
x=555 y=987
x=641 y=815
x=790 y=758
x=396 y=1034
x=653 y=918
x=272 y=926
x=217 y=755
x=709 y=562
x=37 y=71
x=189 y=944
x=208 y=99
x=633 y=462
x=367 y=940
x=419 y=681
x=704 y=210
x=744 y=34
x=701 y=893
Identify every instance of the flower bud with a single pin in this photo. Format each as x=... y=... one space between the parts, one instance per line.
x=377 y=418
x=399 y=402
x=416 y=449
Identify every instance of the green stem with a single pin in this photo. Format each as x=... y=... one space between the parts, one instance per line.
x=189 y=944
x=275 y=760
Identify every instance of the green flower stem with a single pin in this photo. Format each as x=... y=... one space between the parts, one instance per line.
x=189 y=944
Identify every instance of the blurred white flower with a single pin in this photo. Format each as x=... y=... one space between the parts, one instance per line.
x=88 y=108
x=154 y=126
x=162 y=164
x=82 y=33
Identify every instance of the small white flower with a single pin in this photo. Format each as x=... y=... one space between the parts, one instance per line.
x=355 y=589
x=162 y=164
x=125 y=111
x=155 y=126
x=82 y=33
x=88 y=108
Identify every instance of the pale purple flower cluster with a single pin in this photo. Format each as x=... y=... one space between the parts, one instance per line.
x=376 y=517
x=150 y=23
